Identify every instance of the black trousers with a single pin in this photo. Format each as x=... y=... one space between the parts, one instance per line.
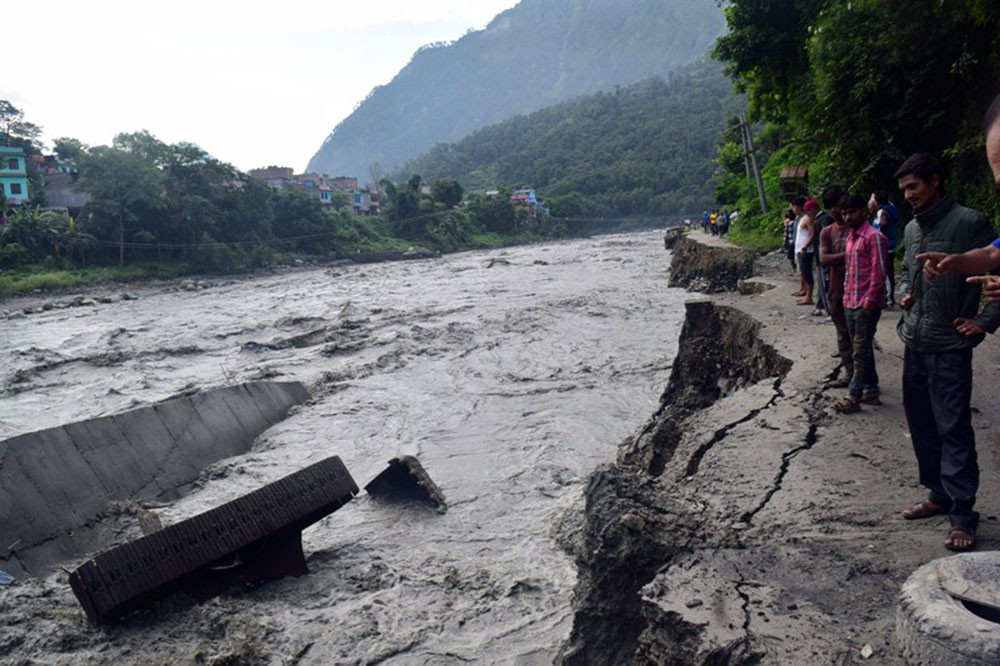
x=937 y=390
x=843 y=336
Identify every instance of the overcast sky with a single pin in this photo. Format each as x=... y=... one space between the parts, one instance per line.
x=254 y=83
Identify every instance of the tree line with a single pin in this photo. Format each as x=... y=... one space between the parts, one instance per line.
x=852 y=89
x=150 y=201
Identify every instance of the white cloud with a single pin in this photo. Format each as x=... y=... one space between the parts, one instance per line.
x=253 y=83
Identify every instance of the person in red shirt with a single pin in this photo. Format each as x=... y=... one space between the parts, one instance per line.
x=864 y=297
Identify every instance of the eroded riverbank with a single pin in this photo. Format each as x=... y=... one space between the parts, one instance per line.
x=748 y=523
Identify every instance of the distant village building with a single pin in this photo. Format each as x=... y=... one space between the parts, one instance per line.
x=13 y=175
x=60 y=175
x=321 y=186
x=363 y=202
x=524 y=198
x=275 y=176
x=529 y=199
x=342 y=183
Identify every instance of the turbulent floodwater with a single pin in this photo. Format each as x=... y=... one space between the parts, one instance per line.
x=511 y=375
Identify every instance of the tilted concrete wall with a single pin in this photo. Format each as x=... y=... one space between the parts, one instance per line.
x=55 y=481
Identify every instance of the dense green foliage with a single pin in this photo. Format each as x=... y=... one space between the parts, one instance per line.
x=852 y=88
x=435 y=219
x=645 y=149
x=159 y=209
x=536 y=54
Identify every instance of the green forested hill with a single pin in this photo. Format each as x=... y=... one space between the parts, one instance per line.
x=648 y=148
x=536 y=54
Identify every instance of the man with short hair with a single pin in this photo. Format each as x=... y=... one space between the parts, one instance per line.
x=939 y=328
x=788 y=244
x=812 y=209
x=832 y=240
x=864 y=298
x=804 y=231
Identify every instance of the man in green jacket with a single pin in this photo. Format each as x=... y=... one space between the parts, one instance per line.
x=939 y=328
x=982 y=259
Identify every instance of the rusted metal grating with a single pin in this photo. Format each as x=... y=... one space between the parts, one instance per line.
x=124 y=577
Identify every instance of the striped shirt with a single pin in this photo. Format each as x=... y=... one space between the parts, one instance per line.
x=864 y=283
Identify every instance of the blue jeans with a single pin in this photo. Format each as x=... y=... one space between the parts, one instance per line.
x=861 y=328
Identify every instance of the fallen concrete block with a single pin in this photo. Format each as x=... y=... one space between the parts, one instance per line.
x=405 y=479
x=55 y=483
x=254 y=537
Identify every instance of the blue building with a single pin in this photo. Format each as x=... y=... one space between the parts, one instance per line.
x=13 y=175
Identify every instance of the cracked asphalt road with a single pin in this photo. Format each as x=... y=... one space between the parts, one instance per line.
x=805 y=503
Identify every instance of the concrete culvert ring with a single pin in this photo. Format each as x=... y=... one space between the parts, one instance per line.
x=949 y=612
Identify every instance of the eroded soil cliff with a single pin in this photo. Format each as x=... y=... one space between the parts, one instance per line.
x=746 y=522
x=709 y=265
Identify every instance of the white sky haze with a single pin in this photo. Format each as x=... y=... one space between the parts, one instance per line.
x=253 y=83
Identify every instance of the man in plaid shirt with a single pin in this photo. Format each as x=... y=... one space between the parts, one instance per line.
x=864 y=298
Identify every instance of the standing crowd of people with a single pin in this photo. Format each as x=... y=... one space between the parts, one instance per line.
x=716 y=223
x=844 y=246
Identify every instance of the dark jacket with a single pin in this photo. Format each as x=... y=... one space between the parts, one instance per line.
x=927 y=326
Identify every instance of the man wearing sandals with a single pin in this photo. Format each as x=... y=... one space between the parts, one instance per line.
x=863 y=299
x=939 y=329
x=831 y=255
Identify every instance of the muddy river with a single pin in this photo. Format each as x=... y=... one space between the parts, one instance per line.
x=510 y=374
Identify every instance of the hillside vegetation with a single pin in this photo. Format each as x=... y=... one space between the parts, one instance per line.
x=536 y=54
x=852 y=89
x=646 y=149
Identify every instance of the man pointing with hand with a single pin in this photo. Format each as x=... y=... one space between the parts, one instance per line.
x=980 y=259
x=940 y=327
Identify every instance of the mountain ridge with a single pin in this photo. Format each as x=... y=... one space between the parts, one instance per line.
x=536 y=54
x=644 y=149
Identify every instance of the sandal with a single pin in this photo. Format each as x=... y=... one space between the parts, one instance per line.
x=803 y=301
x=835 y=354
x=924 y=509
x=960 y=538
x=847 y=405
x=870 y=399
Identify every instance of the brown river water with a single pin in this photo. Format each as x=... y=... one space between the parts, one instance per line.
x=511 y=374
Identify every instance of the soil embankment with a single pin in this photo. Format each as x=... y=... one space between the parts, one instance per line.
x=711 y=267
x=747 y=522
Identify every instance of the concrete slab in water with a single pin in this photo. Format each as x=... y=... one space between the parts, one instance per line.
x=57 y=481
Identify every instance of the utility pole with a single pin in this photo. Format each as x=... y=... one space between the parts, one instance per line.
x=751 y=153
x=746 y=151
